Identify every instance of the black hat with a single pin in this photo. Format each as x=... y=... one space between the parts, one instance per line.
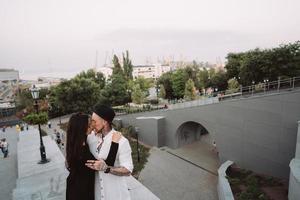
x=105 y=112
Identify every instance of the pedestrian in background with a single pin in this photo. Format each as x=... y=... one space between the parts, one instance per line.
x=4 y=147
x=49 y=124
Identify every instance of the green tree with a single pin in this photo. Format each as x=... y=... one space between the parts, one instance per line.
x=166 y=81
x=105 y=97
x=138 y=95
x=127 y=66
x=233 y=65
x=97 y=77
x=78 y=94
x=24 y=99
x=257 y=65
x=179 y=77
x=190 y=90
x=117 y=67
x=34 y=118
x=251 y=68
x=162 y=92
x=192 y=72
x=283 y=61
x=233 y=85
x=117 y=87
x=144 y=84
x=118 y=90
x=203 y=77
x=218 y=80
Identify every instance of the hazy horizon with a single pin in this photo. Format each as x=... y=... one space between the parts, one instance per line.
x=60 y=37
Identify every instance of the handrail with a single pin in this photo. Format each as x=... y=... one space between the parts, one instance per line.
x=241 y=92
x=260 y=88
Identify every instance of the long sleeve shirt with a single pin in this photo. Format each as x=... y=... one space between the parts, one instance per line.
x=109 y=186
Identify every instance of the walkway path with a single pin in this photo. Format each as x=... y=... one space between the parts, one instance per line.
x=8 y=166
x=200 y=154
x=171 y=178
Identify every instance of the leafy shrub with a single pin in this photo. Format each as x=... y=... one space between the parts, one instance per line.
x=33 y=118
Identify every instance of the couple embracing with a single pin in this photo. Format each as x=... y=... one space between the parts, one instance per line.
x=97 y=157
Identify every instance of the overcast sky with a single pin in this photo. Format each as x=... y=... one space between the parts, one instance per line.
x=61 y=37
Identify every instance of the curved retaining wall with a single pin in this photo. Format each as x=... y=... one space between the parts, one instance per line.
x=294 y=186
x=224 y=189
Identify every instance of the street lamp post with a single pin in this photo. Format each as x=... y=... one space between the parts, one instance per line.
x=266 y=82
x=129 y=95
x=216 y=91
x=157 y=90
x=137 y=143
x=253 y=87
x=35 y=96
x=59 y=115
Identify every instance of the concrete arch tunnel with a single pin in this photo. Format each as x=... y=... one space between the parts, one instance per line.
x=191 y=131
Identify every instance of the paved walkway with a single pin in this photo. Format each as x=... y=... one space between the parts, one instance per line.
x=8 y=166
x=39 y=181
x=198 y=153
x=171 y=178
x=55 y=125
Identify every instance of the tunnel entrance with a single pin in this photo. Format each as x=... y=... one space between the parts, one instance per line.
x=197 y=145
x=190 y=132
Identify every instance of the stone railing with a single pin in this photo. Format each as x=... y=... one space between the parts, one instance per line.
x=224 y=189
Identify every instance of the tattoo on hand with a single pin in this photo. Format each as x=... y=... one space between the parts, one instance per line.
x=119 y=171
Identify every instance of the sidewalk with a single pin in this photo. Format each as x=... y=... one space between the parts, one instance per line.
x=172 y=178
x=39 y=181
x=8 y=166
x=55 y=125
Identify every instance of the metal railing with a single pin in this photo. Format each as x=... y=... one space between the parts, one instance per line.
x=132 y=110
x=242 y=92
x=260 y=88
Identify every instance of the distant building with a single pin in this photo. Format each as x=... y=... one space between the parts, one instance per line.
x=50 y=80
x=156 y=70
x=146 y=71
x=106 y=71
x=9 y=75
x=150 y=71
x=9 y=84
x=42 y=83
x=47 y=82
x=7 y=109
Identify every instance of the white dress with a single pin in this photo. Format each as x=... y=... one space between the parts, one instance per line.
x=109 y=186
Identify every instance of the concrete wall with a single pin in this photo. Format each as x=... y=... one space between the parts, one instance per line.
x=257 y=133
x=155 y=137
x=294 y=186
x=297 y=155
x=224 y=189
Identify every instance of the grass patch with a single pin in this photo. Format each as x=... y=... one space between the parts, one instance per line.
x=144 y=154
x=128 y=132
x=246 y=185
